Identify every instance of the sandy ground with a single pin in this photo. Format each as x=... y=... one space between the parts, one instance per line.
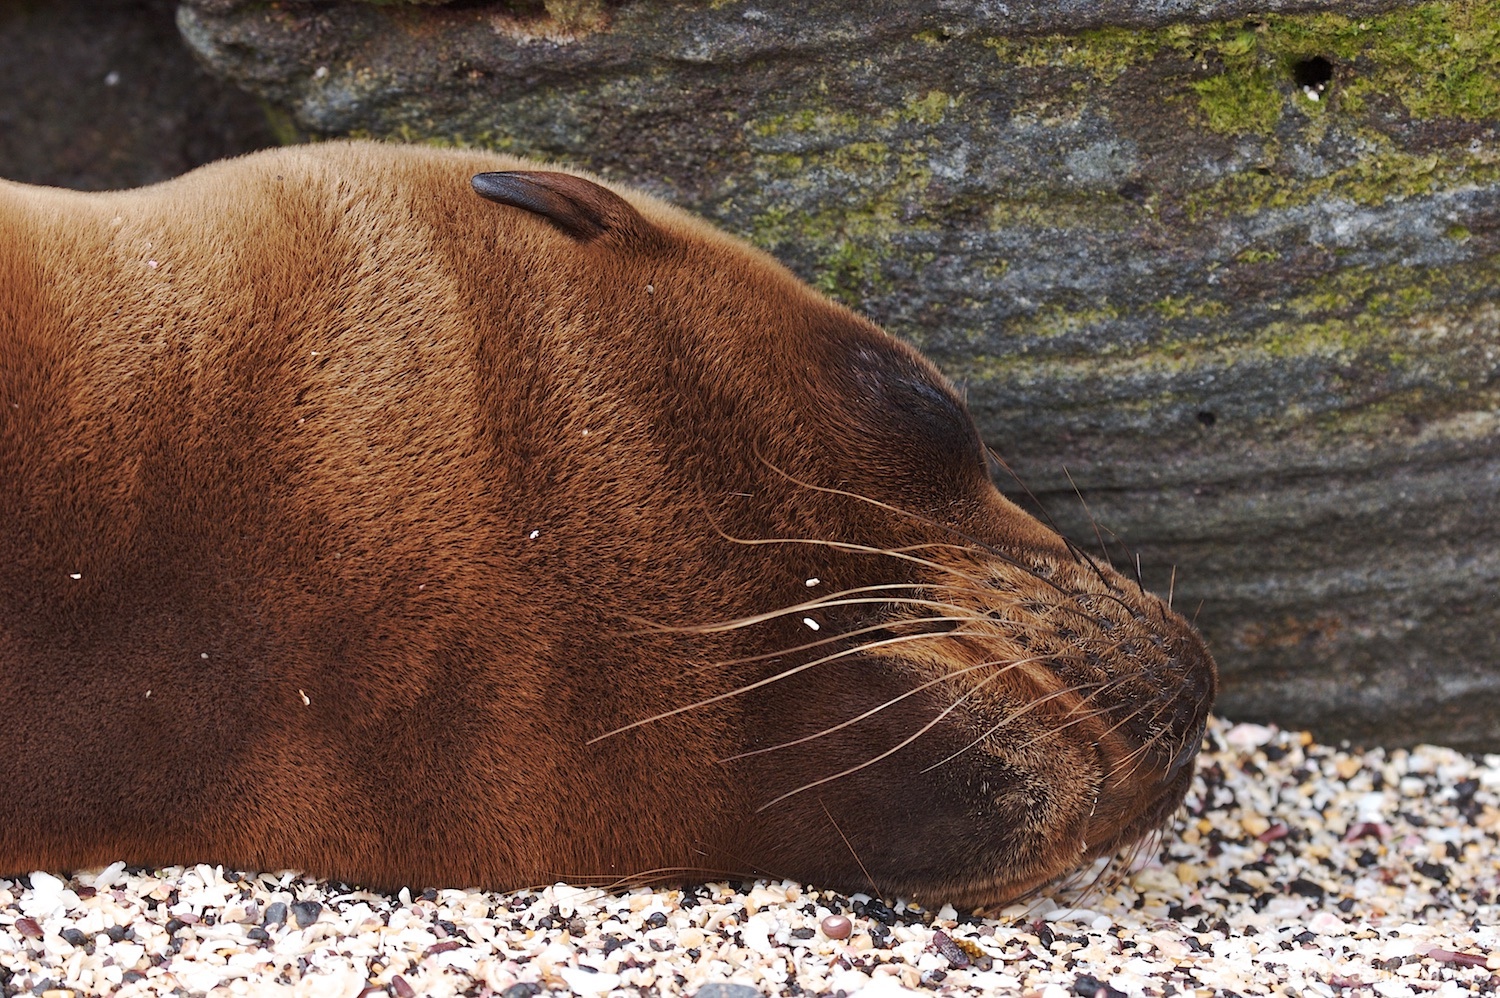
x=1296 y=868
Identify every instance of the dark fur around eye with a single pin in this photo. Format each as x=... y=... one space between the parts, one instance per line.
x=908 y=409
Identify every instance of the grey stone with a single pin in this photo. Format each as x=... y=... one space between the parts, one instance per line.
x=99 y=96
x=1244 y=299
x=720 y=990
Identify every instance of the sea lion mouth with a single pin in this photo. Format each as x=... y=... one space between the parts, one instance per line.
x=1092 y=689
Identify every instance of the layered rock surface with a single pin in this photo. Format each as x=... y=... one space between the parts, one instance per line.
x=1228 y=268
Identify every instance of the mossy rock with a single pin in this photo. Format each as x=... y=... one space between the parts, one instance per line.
x=1234 y=277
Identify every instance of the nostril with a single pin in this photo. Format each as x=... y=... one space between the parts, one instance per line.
x=1188 y=752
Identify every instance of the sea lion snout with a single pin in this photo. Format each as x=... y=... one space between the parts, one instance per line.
x=1064 y=699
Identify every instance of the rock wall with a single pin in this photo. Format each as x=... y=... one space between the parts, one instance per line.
x=1227 y=268
x=105 y=95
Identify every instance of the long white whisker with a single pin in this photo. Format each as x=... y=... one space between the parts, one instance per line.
x=1004 y=720
x=846 y=635
x=784 y=674
x=818 y=604
x=888 y=752
x=867 y=714
x=898 y=553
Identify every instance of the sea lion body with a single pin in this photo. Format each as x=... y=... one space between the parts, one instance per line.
x=347 y=517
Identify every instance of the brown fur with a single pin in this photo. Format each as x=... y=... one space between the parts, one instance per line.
x=346 y=517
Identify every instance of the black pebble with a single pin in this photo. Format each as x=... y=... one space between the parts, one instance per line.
x=577 y=927
x=523 y=989
x=259 y=934
x=656 y=920
x=1091 y=987
x=119 y=933
x=430 y=894
x=950 y=950
x=880 y=935
x=612 y=943
x=75 y=937
x=1437 y=871
x=1305 y=888
x=306 y=913
x=803 y=933
x=719 y=989
x=876 y=910
x=275 y=913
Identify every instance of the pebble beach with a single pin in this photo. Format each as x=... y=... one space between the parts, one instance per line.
x=1295 y=868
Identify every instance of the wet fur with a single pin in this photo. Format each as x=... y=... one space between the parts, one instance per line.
x=421 y=539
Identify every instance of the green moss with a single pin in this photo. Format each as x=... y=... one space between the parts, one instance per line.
x=849 y=266
x=1357 y=342
x=1371 y=322
x=807 y=120
x=1256 y=256
x=1373 y=180
x=1103 y=52
x=818 y=148
x=851 y=241
x=577 y=15
x=1172 y=307
x=1051 y=321
x=283 y=128
x=1458 y=233
x=1098 y=211
x=825 y=121
x=1369 y=297
x=929 y=108
x=1439 y=60
x=1337 y=293
x=1244 y=102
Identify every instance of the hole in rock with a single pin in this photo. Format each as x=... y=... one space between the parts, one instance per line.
x=1314 y=72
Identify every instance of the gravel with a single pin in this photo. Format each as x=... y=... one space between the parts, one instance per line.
x=1296 y=868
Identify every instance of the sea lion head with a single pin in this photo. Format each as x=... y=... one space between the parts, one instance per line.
x=906 y=683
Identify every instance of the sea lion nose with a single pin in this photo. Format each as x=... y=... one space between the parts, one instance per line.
x=1188 y=752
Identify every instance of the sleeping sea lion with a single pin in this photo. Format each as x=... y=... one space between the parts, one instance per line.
x=417 y=517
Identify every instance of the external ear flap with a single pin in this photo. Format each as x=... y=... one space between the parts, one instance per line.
x=579 y=208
